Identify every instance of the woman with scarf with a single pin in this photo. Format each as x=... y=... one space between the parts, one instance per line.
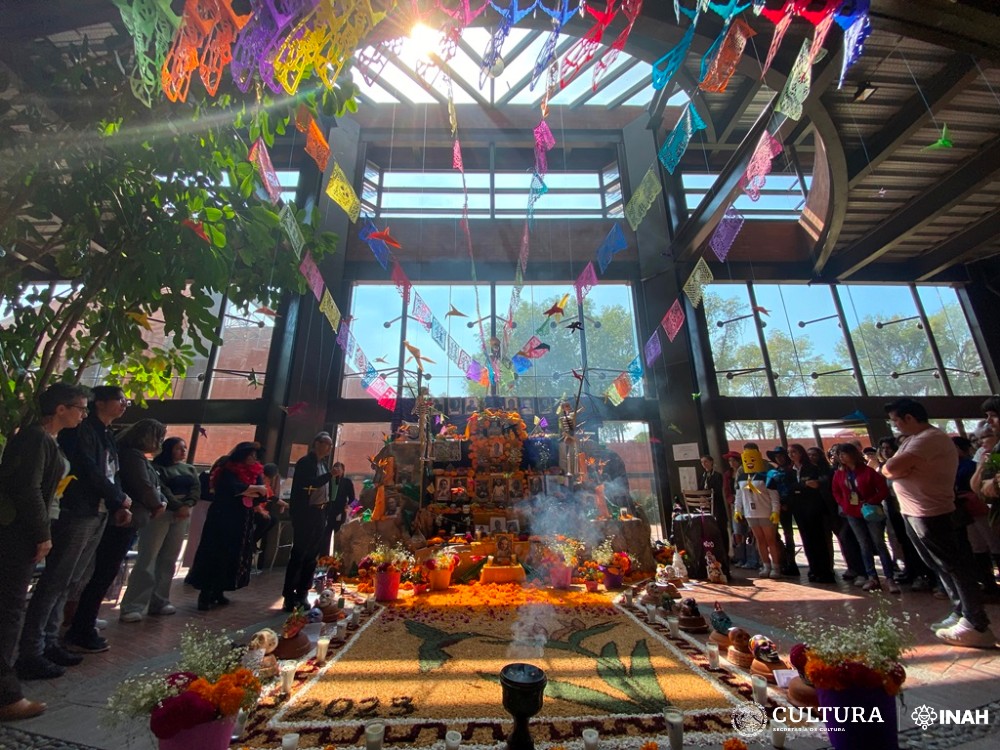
x=224 y=558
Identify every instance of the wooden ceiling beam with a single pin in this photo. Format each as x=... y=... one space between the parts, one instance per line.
x=957 y=248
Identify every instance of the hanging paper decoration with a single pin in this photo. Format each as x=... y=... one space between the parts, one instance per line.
x=456 y=157
x=378 y=247
x=613 y=244
x=204 y=41
x=290 y=224
x=619 y=389
x=344 y=334
x=642 y=199
x=822 y=29
x=537 y=190
x=361 y=362
x=677 y=141
x=854 y=43
x=796 y=90
x=340 y=191
x=634 y=370
x=547 y=54
x=520 y=364
x=652 y=349
x=725 y=233
x=316 y=145
x=759 y=167
x=439 y=334
x=369 y=376
x=943 y=141
x=534 y=349
x=421 y=312
x=544 y=142
x=402 y=282
x=314 y=279
x=261 y=159
x=727 y=57
x=780 y=28
x=631 y=9
x=260 y=31
x=667 y=66
x=673 y=321
x=586 y=46
x=586 y=281
x=152 y=26
x=700 y=277
x=509 y=17
x=329 y=309
x=372 y=60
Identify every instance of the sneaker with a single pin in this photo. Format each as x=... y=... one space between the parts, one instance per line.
x=130 y=617
x=38 y=668
x=871 y=584
x=775 y=573
x=849 y=575
x=920 y=583
x=892 y=586
x=166 y=609
x=963 y=634
x=101 y=624
x=860 y=581
x=91 y=643
x=765 y=571
x=947 y=622
x=60 y=656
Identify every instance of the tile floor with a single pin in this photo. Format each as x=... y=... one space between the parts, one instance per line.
x=939 y=675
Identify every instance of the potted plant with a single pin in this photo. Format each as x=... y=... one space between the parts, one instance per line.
x=858 y=664
x=195 y=704
x=590 y=573
x=614 y=564
x=561 y=556
x=330 y=566
x=387 y=565
x=417 y=577
x=439 y=568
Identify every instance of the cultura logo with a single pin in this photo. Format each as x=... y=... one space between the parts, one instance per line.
x=749 y=720
x=924 y=716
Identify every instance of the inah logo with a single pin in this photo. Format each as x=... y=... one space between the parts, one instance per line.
x=749 y=720
x=924 y=716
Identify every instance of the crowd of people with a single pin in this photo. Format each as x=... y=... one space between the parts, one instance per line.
x=919 y=510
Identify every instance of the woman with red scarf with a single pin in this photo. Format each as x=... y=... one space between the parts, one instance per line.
x=225 y=553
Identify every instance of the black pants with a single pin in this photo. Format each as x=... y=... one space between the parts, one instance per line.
x=262 y=526
x=788 y=537
x=914 y=564
x=115 y=543
x=16 y=562
x=810 y=518
x=309 y=530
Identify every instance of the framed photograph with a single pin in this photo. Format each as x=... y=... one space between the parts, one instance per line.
x=498 y=491
x=482 y=529
x=442 y=490
x=483 y=490
x=516 y=489
x=498 y=524
x=447 y=451
x=513 y=526
x=536 y=485
x=505 y=549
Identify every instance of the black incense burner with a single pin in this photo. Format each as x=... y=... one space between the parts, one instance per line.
x=523 y=687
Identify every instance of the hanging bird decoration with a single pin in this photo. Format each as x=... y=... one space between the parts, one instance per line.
x=942 y=142
x=576 y=325
x=761 y=310
x=855 y=416
x=696 y=396
x=559 y=308
x=382 y=360
x=265 y=310
x=456 y=312
x=416 y=356
x=387 y=238
x=297 y=408
x=203 y=432
x=252 y=380
x=578 y=375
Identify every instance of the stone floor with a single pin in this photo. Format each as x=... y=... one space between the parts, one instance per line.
x=940 y=676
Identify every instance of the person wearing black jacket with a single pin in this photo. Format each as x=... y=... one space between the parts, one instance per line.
x=809 y=512
x=308 y=503
x=93 y=497
x=30 y=476
x=710 y=479
x=342 y=492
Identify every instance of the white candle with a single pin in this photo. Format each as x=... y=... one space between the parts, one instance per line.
x=675 y=627
x=287 y=677
x=370 y=604
x=628 y=598
x=290 y=741
x=374 y=734
x=675 y=728
x=759 y=689
x=240 y=725
x=589 y=739
x=341 y=630
x=651 y=613
x=713 y=655
x=452 y=740
x=779 y=730
x=355 y=617
x=322 y=646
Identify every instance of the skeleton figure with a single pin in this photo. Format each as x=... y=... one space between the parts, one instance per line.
x=326 y=599
x=567 y=438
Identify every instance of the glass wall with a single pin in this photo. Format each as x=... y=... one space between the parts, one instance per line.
x=954 y=340
x=732 y=333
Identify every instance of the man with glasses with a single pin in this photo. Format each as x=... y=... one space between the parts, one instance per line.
x=89 y=500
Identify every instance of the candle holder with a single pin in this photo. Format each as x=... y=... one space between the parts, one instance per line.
x=452 y=740
x=322 y=647
x=523 y=689
x=675 y=727
x=355 y=617
x=287 y=678
x=675 y=627
x=713 y=655
x=590 y=738
x=759 y=689
x=374 y=735
x=370 y=604
x=290 y=741
x=779 y=731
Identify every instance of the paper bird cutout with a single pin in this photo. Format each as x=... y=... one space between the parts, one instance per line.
x=420 y=359
x=382 y=360
x=554 y=310
x=203 y=432
x=141 y=319
x=943 y=142
x=576 y=325
x=674 y=428
x=252 y=379
x=296 y=408
x=761 y=310
x=385 y=237
x=695 y=396
x=855 y=416
x=265 y=310
x=455 y=311
x=577 y=375
x=197 y=228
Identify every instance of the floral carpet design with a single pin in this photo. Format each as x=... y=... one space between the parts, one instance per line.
x=431 y=663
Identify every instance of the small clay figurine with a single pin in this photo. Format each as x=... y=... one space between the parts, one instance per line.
x=721 y=624
x=327 y=605
x=690 y=618
x=766 y=658
x=680 y=569
x=715 y=573
x=265 y=641
x=652 y=595
x=739 y=649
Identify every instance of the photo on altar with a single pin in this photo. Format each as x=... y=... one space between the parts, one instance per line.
x=536 y=486
x=513 y=526
x=482 y=490
x=498 y=524
x=505 y=549
x=482 y=529
x=442 y=490
x=498 y=492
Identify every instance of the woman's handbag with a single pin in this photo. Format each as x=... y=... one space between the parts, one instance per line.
x=872 y=512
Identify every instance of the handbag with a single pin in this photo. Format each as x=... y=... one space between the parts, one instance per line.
x=872 y=512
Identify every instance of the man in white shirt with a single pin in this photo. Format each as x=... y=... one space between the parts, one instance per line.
x=923 y=473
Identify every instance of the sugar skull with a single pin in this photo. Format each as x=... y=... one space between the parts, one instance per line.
x=740 y=639
x=764 y=649
x=689 y=607
x=265 y=640
x=314 y=615
x=326 y=599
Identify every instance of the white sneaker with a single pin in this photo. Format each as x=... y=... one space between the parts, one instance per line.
x=947 y=622
x=131 y=617
x=963 y=634
x=166 y=609
x=775 y=573
x=101 y=624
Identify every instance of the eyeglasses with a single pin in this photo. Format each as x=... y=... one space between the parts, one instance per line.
x=83 y=409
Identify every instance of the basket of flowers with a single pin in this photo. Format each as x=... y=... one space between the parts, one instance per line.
x=386 y=565
x=858 y=664
x=561 y=556
x=194 y=705
x=615 y=564
x=439 y=568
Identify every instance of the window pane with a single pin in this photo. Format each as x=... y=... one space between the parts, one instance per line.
x=764 y=433
x=217 y=440
x=241 y=367
x=739 y=363
x=372 y=306
x=954 y=340
x=892 y=347
x=630 y=441
x=354 y=443
x=804 y=341
x=612 y=341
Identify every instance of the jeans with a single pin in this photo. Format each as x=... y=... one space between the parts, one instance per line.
x=115 y=544
x=871 y=538
x=159 y=546
x=936 y=540
x=17 y=563
x=74 y=544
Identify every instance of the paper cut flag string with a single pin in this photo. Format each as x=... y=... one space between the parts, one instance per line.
x=340 y=191
x=700 y=277
x=291 y=226
x=421 y=312
x=779 y=34
x=676 y=142
x=586 y=281
x=152 y=26
x=372 y=60
x=520 y=363
x=673 y=321
x=537 y=190
x=725 y=234
x=613 y=244
x=667 y=66
x=642 y=199
x=369 y=376
x=727 y=57
x=456 y=157
x=854 y=43
x=204 y=41
x=634 y=370
x=329 y=309
x=584 y=49
x=316 y=145
x=344 y=334
x=402 y=282
x=652 y=349
x=313 y=277
x=379 y=249
x=261 y=159
x=544 y=142
x=759 y=167
x=631 y=9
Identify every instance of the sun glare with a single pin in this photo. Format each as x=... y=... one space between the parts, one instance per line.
x=423 y=40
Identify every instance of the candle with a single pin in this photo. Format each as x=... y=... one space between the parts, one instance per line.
x=374 y=734
x=675 y=627
x=287 y=677
x=589 y=739
x=341 y=630
x=322 y=646
x=779 y=730
x=355 y=617
x=651 y=613
x=675 y=728
x=370 y=604
x=759 y=689
x=290 y=741
x=628 y=598
x=713 y=655
x=452 y=740
x=240 y=725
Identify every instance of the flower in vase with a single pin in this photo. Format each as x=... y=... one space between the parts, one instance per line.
x=611 y=561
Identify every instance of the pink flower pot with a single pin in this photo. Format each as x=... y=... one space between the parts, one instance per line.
x=440 y=579
x=561 y=576
x=386 y=586
x=420 y=588
x=592 y=586
x=845 y=734
x=212 y=735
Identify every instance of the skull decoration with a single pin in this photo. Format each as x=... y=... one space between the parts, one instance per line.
x=314 y=615
x=689 y=607
x=764 y=649
x=326 y=599
x=721 y=622
x=740 y=639
x=265 y=640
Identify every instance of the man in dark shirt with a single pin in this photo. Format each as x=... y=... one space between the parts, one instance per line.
x=710 y=479
x=308 y=503
x=781 y=478
x=336 y=513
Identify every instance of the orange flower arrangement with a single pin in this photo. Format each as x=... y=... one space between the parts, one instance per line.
x=231 y=692
x=650 y=745
x=734 y=744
